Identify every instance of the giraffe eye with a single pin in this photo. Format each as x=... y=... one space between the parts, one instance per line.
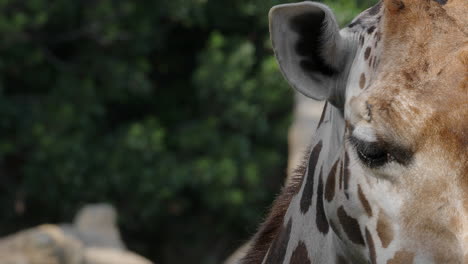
x=372 y=154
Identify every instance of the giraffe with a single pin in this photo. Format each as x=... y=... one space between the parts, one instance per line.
x=386 y=178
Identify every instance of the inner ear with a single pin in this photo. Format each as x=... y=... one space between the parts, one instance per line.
x=309 y=48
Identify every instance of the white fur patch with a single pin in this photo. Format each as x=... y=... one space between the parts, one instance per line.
x=365 y=133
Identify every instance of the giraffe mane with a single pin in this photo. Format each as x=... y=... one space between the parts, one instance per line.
x=270 y=227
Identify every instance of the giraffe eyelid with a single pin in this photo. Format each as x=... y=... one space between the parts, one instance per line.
x=372 y=154
x=375 y=154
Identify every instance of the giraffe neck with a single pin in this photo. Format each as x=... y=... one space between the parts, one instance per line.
x=325 y=185
x=322 y=222
x=306 y=209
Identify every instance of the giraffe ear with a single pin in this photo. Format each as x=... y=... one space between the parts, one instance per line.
x=309 y=48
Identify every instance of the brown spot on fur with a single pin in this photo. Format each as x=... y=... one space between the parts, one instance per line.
x=395 y=5
x=330 y=186
x=279 y=246
x=306 y=199
x=371 y=247
x=378 y=36
x=322 y=117
x=375 y=63
x=410 y=77
x=384 y=229
x=350 y=226
x=346 y=175
x=300 y=255
x=367 y=53
x=321 y=219
x=402 y=257
x=340 y=181
x=364 y=202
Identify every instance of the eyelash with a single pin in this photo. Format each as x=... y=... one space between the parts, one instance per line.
x=372 y=154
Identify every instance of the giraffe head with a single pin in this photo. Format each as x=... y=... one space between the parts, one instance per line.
x=393 y=142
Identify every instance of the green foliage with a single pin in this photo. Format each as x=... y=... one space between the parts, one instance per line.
x=173 y=111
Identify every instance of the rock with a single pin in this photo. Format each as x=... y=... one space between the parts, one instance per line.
x=46 y=244
x=112 y=256
x=95 y=225
x=93 y=238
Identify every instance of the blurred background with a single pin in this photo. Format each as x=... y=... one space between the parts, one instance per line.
x=172 y=111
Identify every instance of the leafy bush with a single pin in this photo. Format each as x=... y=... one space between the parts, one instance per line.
x=173 y=111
